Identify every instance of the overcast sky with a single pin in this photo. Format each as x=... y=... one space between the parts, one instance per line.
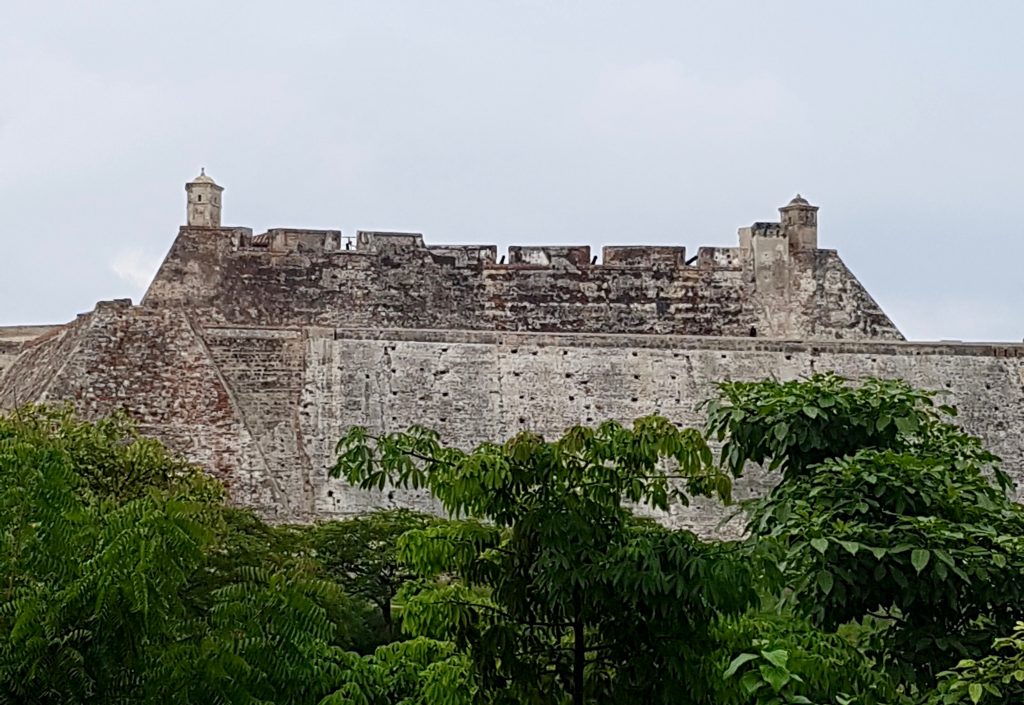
x=520 y=122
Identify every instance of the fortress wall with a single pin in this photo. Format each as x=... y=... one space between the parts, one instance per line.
x=264 y=371
x=263 y=408
x=487 y=386
x=153 y=364
x=30 y=376
x=229 y=277
x=826 y=300
x=13 y=340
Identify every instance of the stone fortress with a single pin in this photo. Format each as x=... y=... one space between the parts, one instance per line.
x=252 y=353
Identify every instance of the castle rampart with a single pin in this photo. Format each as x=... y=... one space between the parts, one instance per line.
x=252 y=353
x=293 y=278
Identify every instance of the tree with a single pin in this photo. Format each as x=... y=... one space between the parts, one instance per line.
x=885 y=510
x=768 y=658
x=551 y=585
x=361 y=555
x=125 y=579
x=414 y=672
x=996 y=679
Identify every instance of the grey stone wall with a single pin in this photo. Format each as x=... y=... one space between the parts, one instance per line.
x=13 y=340
x=487 y=386
x=307 y=278
x=262 y=408
x=252 y=354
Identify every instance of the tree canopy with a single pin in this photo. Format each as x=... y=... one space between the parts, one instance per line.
x=884 y=568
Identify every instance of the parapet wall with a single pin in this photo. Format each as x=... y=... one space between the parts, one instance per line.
x=290 y=278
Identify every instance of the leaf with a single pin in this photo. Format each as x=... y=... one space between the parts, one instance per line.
x=736 y=663
x=777 y=676
x=825 y=581
x=751 y=682
x=778 y=657
x=820 y=545
x=851 y=546
x=906 y=424
x=919 y=558
x=975 y=692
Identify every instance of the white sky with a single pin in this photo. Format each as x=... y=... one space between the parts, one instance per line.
x=518 y=122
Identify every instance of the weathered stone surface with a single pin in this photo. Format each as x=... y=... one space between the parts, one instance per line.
x=252 y=354
x=306 y=278
x=13 y=340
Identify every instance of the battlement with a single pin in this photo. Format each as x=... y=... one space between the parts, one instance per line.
x=412 y=247
x=775 y=283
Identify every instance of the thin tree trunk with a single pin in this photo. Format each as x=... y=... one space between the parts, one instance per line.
x=579 y=652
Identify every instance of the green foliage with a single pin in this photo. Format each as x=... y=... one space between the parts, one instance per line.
x=416 y=672
x=888 y=557
x=362 y=554
x=112 y=460
x=795 y=425
x=886 y=509
x=769 y=658
x=996 y=679
x=551 y=585
x=124 y=579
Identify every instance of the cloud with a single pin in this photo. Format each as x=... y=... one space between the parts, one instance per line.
x=961 y=318
x=664 y=97
x=135 y=268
